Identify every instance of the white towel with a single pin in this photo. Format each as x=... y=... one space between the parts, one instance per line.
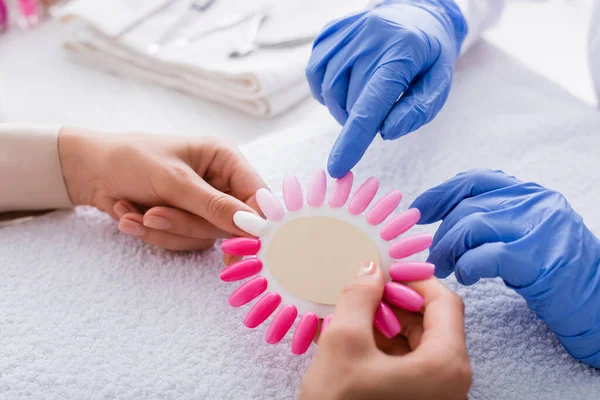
x=115 y=36
x=87 y=312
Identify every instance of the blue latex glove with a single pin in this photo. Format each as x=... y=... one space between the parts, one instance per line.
x=495 y=225
x=362 y=64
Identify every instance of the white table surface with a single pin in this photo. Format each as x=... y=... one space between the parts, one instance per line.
x=39 y=84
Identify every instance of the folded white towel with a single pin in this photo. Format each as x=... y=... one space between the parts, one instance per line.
x=116 y=34
x=87 y=312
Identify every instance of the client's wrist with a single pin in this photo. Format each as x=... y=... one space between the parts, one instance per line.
x=81 y=156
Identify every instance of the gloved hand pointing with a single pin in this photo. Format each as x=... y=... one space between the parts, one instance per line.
x=362 y=64
x=495 y=225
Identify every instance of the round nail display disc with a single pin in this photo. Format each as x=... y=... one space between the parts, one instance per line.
x=309 y=250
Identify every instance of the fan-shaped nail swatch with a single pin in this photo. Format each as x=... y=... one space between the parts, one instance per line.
x=269 y=205
x=411 y=271
x=281 y=324
x=364 y=211
x=363 y=196
x=341 y=190
x=248 y=292
x=410 y=245
x=384 y=207
x=326 y=322
x=399 y=224
x=386 y=322
x=304 y=333
x=241 y=246
x=402 y=296
x=262 y=310
x=250 y=222
x=317 y=189
x=241 y=270
x=292 y=193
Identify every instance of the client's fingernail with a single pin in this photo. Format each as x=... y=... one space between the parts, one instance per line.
x=131 y=228
x=249 y=222
x=402 y=296
x=120 y=209
x=368 y=268
x=156 y=222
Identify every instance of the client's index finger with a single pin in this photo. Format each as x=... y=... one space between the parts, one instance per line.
x=443 y=317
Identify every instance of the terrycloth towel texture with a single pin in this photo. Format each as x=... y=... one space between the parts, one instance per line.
x=116 y=34
x=87 y=312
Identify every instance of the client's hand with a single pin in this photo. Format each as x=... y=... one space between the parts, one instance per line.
x=188 y=189
x=349 y=365
x=495 y=225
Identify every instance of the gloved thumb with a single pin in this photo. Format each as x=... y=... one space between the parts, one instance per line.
x=359 y=300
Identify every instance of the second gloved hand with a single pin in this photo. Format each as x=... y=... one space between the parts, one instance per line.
x=495 y=225
x=362 y=64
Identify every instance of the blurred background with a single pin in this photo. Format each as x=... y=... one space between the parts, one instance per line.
x=233 y=68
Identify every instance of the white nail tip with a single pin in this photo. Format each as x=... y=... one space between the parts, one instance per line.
x=249 y=222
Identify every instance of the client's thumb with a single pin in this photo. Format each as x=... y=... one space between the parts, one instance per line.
x=359 y=299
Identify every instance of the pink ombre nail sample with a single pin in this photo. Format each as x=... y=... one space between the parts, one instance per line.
x=241 y=246
x=363 y=196
x=281 y=324
x=269 y=205
x=326 y=321
x=384 y=207
x=402 y=296
x=341 y=190
x=410 y=245
x=304 y=333
x=386 y=322
x=400 y=224
x=317 y=188
x=248 y=292
x=411 y=271
x=241 y=270
x=262 y=310
x=292 y=193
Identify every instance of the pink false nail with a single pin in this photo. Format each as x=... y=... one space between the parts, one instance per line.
x=386 y=322
x=384 y=207
x=410 y=245
x=411 y=271
x=402 y=296
x=341 y=190
x=316 y=189
x=363 y=196
x=400 y=224
x=248 y=292
x=281 y=324
x=304 y=333
x=241 y=270
x=325 y=322
x=269 y=205
x=262 y=310
x=292 y=193
x=241 y=246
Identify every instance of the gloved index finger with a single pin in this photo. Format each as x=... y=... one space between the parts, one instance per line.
x=365 y=118
x=436 y=203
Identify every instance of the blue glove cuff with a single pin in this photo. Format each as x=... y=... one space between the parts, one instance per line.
x=445 y=11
